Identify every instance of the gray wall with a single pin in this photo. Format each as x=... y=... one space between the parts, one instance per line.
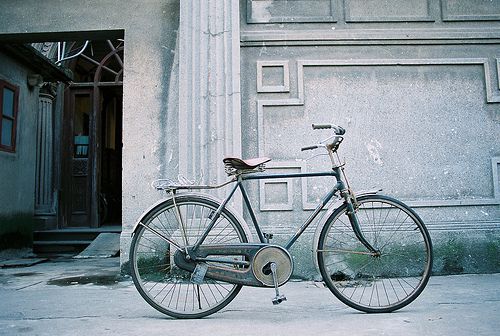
x=17 y=171
x=416 y=85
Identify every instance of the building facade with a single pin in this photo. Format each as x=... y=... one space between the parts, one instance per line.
x=25 y=112
x=415 y=83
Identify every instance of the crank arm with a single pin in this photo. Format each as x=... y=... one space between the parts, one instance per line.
x=278 y=298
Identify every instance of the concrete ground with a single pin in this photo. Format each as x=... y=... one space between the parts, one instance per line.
x=89 y=297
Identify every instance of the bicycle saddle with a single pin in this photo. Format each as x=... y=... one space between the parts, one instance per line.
x=248 y=164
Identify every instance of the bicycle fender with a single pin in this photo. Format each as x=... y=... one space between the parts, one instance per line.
x=327 y=215
x=233 y=212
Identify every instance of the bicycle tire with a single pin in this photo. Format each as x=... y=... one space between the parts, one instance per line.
x=376 y=284
x=159 y=281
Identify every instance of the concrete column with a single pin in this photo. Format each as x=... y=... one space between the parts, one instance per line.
x=44 y=198
x=209 y=88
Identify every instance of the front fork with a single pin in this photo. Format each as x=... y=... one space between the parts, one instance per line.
x=352 y=209
x=349 y=199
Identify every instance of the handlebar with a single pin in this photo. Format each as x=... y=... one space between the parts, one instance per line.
x=336 y=138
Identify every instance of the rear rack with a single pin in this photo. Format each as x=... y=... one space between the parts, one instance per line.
x=169 y=185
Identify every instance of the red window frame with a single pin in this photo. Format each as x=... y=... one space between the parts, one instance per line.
x=13 y=118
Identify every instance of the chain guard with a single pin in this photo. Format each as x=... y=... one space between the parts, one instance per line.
x=225 y=263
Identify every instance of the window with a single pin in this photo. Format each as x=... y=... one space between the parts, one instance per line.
x=8 y=116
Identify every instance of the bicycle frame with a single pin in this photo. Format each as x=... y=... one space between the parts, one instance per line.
x=338 y=187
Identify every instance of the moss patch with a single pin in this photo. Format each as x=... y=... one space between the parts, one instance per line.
x=457 y=254
x=453 y=253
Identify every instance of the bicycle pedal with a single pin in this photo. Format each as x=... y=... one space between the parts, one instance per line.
x=278 y=299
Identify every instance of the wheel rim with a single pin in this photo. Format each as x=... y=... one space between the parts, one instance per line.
x=383 y=282
x=161 y=283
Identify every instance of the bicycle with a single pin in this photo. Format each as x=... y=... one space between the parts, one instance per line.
x=191 y=253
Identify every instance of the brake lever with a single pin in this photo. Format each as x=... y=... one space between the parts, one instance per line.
x=309 y=148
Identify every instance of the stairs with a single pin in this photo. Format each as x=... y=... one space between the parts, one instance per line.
x=67 y=242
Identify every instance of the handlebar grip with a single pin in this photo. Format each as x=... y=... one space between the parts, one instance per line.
x=321 y=126
x=309 y=147
x=338 y=130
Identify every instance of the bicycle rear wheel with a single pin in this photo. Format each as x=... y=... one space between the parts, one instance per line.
x=381 y=283
x=160 y=282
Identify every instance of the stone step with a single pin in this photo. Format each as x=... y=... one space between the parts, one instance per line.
x=67 y=241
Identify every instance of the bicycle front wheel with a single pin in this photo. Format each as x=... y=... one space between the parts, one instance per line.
x=379 y=283
x=160 y=282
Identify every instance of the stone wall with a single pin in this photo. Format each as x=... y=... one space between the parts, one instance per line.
x=416 y=85
x=17 y=171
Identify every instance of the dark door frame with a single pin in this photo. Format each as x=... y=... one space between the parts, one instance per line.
x=95 y=141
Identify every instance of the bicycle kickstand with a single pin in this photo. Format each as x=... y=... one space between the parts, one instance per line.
x=278 y=298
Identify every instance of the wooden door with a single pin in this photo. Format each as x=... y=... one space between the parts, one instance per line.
x=78 y=158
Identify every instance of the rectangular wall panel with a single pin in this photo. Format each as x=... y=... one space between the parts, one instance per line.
x=267 y=11
x=388 y=10
x=470 y=10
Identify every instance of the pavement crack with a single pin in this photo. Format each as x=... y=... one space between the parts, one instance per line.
x=30 y=285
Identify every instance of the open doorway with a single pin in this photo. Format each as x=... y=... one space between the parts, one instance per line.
x=110 y=186
x=92 y=136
